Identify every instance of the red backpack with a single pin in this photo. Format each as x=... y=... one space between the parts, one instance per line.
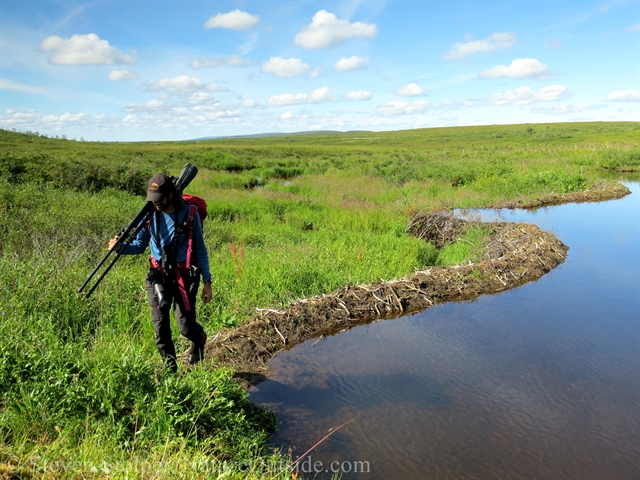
x=197 y=206
x=200 y=204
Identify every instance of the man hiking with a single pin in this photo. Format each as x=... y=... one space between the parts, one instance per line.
x=178 y=258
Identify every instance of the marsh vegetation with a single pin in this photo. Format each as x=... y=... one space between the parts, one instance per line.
x=290 y=217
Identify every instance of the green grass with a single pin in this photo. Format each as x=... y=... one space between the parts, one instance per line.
x=463 y=153
x=289 y=217
x=467 y=248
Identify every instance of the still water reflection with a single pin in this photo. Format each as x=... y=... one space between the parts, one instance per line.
x=539 y=382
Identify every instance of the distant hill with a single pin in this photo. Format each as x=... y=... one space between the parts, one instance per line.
x=280 y=134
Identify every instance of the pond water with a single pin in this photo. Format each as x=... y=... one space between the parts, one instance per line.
x=542 y=381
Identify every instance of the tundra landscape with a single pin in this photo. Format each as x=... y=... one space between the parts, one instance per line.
x=293 y=219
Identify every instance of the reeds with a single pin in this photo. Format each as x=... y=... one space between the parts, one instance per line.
x=238 y=258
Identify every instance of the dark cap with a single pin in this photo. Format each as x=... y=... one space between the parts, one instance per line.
x=159 y=186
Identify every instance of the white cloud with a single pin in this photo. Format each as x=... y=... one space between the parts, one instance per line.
x=624 y=96
x=182 y=84
x=496 y=41
x=634 y=28
x=19 y=87
x=20 y=118
x=145 y=118
x=519 y=68
x=358 y=95
x=315 y=73
x=67 y=118
x=215 y=109
x=326 y=31
x=527 y=96
x=232 y=60
x=199 y=99
x=453 y=104
x=249 y=103
x=395 y=109
x=351 y=63
x=253 y=41
x=83 y=50
x=235 y=20
x=410 y=90
x=117 y=75
x=288 y=99
x=221 y=114
x=66 y=122
x=321 y=95
x=196 y=109
x=285 y=67
x=562 y=109
x=317 y=96
x=287 y=115
x=151 y=105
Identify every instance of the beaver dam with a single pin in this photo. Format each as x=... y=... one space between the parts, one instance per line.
x=514 y=254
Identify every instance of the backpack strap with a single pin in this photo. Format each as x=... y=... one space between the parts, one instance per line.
x=180 y=267
x=193 y=211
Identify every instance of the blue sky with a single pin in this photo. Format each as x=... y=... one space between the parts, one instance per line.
x=167 y=70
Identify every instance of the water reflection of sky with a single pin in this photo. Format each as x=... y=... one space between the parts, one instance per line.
x=538 y=382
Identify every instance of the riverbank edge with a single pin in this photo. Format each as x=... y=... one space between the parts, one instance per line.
x=515 y=254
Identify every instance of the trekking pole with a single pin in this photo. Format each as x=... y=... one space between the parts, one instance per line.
x=187 y=174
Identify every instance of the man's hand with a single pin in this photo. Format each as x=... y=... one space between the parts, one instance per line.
x=115 y=241
x=206 y=292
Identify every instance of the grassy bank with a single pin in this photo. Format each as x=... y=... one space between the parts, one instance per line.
x=290 y=217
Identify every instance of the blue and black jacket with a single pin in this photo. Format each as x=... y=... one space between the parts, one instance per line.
x=164 y=224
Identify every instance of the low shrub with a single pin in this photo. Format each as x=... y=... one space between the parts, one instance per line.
x=79 y=175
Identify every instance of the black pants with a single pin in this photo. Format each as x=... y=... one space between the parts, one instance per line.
x=186 y=320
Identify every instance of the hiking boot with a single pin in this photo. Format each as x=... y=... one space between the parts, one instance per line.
x=196 y=353
x=168 y=354
x=171 y=364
